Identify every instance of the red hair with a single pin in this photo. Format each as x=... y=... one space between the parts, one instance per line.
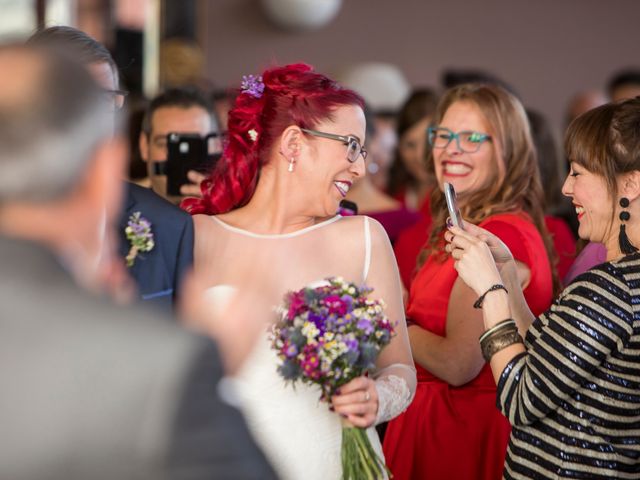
x=293 y=95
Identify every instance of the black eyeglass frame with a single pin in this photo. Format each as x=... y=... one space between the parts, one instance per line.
x=346 y=139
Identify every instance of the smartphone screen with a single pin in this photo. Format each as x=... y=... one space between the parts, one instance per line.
x=189 y=152
x=452 y=205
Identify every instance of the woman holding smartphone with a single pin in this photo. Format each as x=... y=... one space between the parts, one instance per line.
x=571 y=390
x=481 y=145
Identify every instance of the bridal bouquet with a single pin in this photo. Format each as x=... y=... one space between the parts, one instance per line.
x=328 y=335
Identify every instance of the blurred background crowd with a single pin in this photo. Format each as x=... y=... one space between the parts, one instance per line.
x=559 y=60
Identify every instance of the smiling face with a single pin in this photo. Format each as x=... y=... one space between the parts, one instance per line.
x=327 y=175
x=591 y=198
x=467 y=172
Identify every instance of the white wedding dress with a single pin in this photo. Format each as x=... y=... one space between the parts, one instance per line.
x=298 y=433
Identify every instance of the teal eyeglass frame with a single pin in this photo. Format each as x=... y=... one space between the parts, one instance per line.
x=346 y=139
x=478 y=141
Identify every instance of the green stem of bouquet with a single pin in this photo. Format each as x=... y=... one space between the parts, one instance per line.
x=359 y=459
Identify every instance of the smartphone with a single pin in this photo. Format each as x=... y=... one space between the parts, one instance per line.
x=347 y=208
x=189 y=152
x=452 y=205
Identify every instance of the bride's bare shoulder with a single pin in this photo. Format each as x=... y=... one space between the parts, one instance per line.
x=354 y=227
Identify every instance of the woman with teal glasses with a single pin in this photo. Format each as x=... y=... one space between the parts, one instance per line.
x=481 y=144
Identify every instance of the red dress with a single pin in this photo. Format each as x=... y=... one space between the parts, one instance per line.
x=457 y=432
x=408 y=246
x=563 y=241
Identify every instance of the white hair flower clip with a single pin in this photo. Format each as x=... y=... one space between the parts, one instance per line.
x=253 y=134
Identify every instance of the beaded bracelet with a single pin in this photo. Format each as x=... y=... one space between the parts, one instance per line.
x=497 y=286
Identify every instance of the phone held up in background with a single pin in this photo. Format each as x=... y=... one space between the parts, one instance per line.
x=452 y=205
x=190 y=152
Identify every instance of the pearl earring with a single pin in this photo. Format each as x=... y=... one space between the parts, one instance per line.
x=291 y=162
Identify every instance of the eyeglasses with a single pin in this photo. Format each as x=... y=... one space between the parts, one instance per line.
x=467 y=141
x=354 y=149
x=115 y=97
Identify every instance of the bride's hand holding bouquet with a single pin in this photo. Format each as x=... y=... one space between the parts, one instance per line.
x=357 y=402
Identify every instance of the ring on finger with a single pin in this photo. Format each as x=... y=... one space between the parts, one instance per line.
x=367 y=396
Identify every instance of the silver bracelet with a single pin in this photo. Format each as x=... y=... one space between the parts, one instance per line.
x=499 y=340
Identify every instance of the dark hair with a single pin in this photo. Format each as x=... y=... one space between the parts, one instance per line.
x=76 y=43
x=520 y=190
x=606 y=141
x=453 y=77
x=293 y=95
x=551 y=169
x=370 y=128
x=622 y=78
x=421 y=103
x=223 y=94
x=182 y=97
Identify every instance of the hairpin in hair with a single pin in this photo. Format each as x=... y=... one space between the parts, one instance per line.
x=253 y=134
x=252 y=85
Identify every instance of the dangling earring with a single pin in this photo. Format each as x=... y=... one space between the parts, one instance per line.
x=292 y=160
x=626 y=246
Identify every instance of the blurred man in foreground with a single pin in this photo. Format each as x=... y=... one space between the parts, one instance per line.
x=89 y=390
x=158 y=266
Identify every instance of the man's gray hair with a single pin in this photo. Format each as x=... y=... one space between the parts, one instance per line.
x=47 y=139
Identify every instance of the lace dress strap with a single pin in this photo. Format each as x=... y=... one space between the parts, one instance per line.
x=367 y=250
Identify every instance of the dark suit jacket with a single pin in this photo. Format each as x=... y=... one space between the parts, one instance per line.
x=158 y=273
x=94 y=391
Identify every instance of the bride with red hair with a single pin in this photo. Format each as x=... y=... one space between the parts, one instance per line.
x=294 y=149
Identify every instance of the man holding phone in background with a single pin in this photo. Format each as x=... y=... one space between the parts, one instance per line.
x=181 y=111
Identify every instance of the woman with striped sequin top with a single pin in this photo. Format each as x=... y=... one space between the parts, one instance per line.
x=572 y=390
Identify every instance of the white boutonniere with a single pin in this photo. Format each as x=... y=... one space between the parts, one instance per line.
x=140 y=236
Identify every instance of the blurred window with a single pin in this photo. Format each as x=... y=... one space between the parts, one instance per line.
x=18 y=18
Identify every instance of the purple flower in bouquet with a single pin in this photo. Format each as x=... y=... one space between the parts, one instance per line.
x=289 y=349
x=353 y=351
x=352 y=344
x=318 y=320
x=364 y=324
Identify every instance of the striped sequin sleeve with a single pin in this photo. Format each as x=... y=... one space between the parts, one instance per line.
x=566 y=345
